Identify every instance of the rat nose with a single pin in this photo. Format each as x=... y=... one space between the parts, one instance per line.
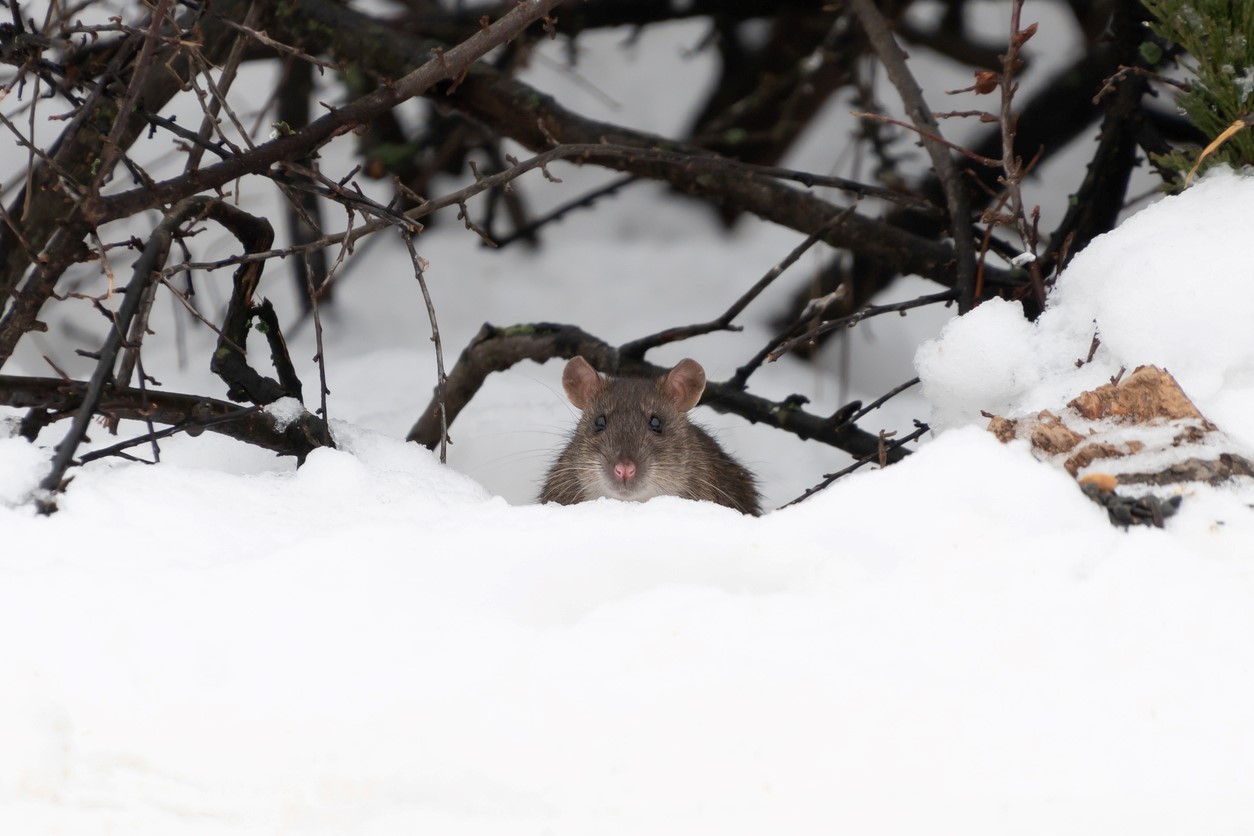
x=624 y=470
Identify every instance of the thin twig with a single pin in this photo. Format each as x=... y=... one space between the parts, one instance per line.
x=143 y=388
x=637 y=348
x=262 y=38
x=785 y=347
x=144 y=268
x=883 y=399
x=528 y=230
x=210 y=120
x=920 y=429
x=192 y=426
x=187 y=303
x=956 y=199
x=987 y=162
x=1124 y=71
x=1010 y=124
x=441 y=381
x=112 y=146
x=447 y=65
x=389 y=218
x=252 y=426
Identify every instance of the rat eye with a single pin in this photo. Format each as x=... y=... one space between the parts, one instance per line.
x=599 y=423
x=655 y=423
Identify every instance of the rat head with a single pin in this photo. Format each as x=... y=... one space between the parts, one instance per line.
x=633 y=440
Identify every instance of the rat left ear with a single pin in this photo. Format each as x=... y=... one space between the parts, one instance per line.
x=684 y=384
x=581 y=382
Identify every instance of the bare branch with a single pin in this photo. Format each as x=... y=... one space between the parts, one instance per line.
x=145 y=266
x=112 y=147
x=636 y=349
x=446 y=65
x=441 y=380
x=894 y=60
x=884 y=453
x=785 y=347
x=496 y=349
x=191 y=413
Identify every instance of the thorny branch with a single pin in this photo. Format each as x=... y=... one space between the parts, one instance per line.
x=191 y=414
x=497 y=349
x=894 y=60
x=1012 y=164
x=119 y=77
x=635 y=349
x=881 y=455
x=228 y=361
x=441 y=379
x=791 y=344
x=158 y=246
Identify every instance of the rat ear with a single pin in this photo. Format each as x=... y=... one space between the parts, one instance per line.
x=581 y=382
x=684 y=384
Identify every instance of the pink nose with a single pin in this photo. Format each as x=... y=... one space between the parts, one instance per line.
x=625 y=470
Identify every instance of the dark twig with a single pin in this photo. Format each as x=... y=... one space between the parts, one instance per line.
x=883 y=399
x=57 y=222
x=956 y=200
x=496 y=349
x=861 y=232
x=1101 y=197
x=143 y=388
x=112 y=148
x=636 y=348
x=230 y=359
x=215 y=103
x=448 y=64
x=1012 y=165
x=193 y=139
x=145 y=266
x=815 y=309
x=279 y=355
x=528 y=230
x=866 y=313
x=315 y=312
x=249 y=424
x=139 y=327
x=1115 y=80
x=191 y=426
x=303 y=212
x=888 y=450
x=278 y=46
x=987 y=162
x=298 y=177
x=441 y=380
x=183 y=300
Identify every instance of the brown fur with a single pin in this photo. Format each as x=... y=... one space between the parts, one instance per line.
x=680 y=459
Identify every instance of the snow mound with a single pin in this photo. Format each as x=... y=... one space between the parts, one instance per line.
x=24 y=466
x=1155 y=291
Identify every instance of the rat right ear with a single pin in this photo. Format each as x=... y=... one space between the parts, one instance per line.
x=581 y=382
x=684 y=384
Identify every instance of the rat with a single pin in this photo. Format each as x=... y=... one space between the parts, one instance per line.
x=634 y=442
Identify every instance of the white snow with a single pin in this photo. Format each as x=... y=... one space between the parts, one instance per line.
x=285 y=412
x=376 y=643
x=1168 y=288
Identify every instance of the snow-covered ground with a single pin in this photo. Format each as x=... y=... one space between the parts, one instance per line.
x=379 y=644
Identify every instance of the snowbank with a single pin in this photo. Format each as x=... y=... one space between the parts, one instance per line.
x=373 y=645
x=1167 y=288
x=377 y=644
